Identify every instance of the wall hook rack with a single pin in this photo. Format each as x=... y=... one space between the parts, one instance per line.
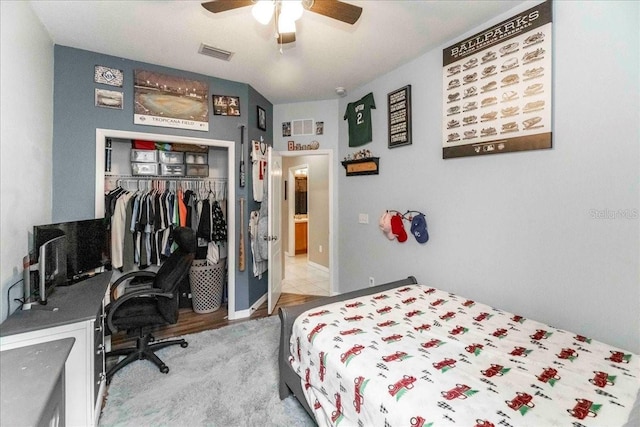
x=408 y=215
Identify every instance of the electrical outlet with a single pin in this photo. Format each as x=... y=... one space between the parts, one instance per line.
x=363 y=218
x=372 y=281
x=320 y=248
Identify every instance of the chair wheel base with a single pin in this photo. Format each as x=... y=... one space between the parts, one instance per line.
x=184 y=344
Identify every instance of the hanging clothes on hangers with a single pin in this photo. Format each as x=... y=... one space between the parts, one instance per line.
x=258 y=168
x=118 y=225
x=258 y=232
x=259 y=265
x=143 y=212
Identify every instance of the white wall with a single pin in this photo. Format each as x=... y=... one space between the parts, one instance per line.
x=26 y=70
x=320 y=111
x=318 y=207
x=518 y=230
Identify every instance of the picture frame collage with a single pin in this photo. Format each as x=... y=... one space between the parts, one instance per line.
x=303 y=127
x=223 y=105
x=106 y=98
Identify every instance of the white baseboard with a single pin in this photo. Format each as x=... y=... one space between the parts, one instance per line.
x=243 y=314
x=318 y=266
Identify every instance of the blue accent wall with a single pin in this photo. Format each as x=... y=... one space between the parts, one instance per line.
x=75 y=119
x=257 y=287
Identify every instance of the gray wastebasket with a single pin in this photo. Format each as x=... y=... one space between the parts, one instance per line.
x=207 y=285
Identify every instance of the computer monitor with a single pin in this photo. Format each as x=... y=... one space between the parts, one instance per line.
x=68 y=252
x=52 y=266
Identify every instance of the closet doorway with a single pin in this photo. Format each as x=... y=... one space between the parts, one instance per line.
x=101 y=137
x=307 y=221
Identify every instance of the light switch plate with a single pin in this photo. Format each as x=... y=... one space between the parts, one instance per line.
x=363 y=218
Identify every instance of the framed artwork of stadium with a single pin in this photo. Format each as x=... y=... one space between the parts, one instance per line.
x=170 y=101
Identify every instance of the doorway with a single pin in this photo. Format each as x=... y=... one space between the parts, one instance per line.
x=307 y=218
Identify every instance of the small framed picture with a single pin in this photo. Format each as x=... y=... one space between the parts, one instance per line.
x=226 y=105
x=262 y=118
x=108 y=76
x=109 y=99
x=286 y=128
x=319 y=128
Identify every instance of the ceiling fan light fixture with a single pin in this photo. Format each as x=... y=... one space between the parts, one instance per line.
x=263 y=11
x=286 y=26
x=291 y=10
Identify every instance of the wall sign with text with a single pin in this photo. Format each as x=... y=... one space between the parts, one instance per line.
x=400 y=117
x=497 y=88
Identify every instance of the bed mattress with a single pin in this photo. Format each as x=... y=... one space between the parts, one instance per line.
x=419 y=356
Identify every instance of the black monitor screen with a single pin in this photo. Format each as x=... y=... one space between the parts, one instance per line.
x=86 y=244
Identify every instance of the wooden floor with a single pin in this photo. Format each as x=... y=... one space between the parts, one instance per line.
x=190 y=322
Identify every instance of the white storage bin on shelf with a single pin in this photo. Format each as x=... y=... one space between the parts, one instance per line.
x=196 y=158
x=144 y=156
x=171 y=170
x=171 y=157
x=144 y=168
x=198 y=170
x=207 y=285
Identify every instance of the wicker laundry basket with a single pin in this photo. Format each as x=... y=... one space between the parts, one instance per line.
x=207 y=285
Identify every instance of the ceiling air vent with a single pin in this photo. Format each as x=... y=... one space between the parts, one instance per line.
x=214 y=52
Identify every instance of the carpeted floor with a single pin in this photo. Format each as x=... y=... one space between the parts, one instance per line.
x=227 y=377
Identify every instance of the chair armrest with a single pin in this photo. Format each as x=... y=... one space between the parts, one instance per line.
x=115 y=285
x=131 y=295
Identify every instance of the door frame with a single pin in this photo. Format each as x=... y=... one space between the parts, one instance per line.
x=102 y=134
x=275 y=259
x=333 y=244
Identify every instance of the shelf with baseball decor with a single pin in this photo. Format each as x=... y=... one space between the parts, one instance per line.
x=497 y=88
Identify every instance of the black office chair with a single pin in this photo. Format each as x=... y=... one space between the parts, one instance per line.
x=151 y=302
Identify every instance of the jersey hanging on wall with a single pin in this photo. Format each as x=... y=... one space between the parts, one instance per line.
x=358 y=115
x=259 y=167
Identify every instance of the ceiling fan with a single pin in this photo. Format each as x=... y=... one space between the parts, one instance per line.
x=285 y=12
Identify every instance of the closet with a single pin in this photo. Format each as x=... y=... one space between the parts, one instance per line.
x=165 y=181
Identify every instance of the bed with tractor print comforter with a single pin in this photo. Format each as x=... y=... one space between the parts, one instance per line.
x=418 y=356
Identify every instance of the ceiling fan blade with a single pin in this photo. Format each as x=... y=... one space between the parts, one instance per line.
x=216 y=6
x=285 y=38
x=336 y=9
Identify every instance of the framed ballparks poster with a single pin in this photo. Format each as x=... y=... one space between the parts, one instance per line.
x=497 y=88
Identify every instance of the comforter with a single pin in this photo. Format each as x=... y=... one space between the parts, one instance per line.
x=419 y=356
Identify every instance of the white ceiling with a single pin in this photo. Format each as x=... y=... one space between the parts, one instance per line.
x=327 y=53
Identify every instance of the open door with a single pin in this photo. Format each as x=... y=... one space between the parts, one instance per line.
x=275 y=263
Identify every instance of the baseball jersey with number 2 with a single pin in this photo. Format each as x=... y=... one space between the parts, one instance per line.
x=358 y=115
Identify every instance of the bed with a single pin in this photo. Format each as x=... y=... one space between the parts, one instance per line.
x=405 y=354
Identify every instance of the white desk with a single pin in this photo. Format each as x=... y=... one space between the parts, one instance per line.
x=80 y=315
x=32 y=386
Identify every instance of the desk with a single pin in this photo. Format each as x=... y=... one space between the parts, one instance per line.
x=79 y=315
x=32 y=386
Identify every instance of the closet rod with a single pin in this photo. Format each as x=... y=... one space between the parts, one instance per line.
x=151 y=181
x=163 y=178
